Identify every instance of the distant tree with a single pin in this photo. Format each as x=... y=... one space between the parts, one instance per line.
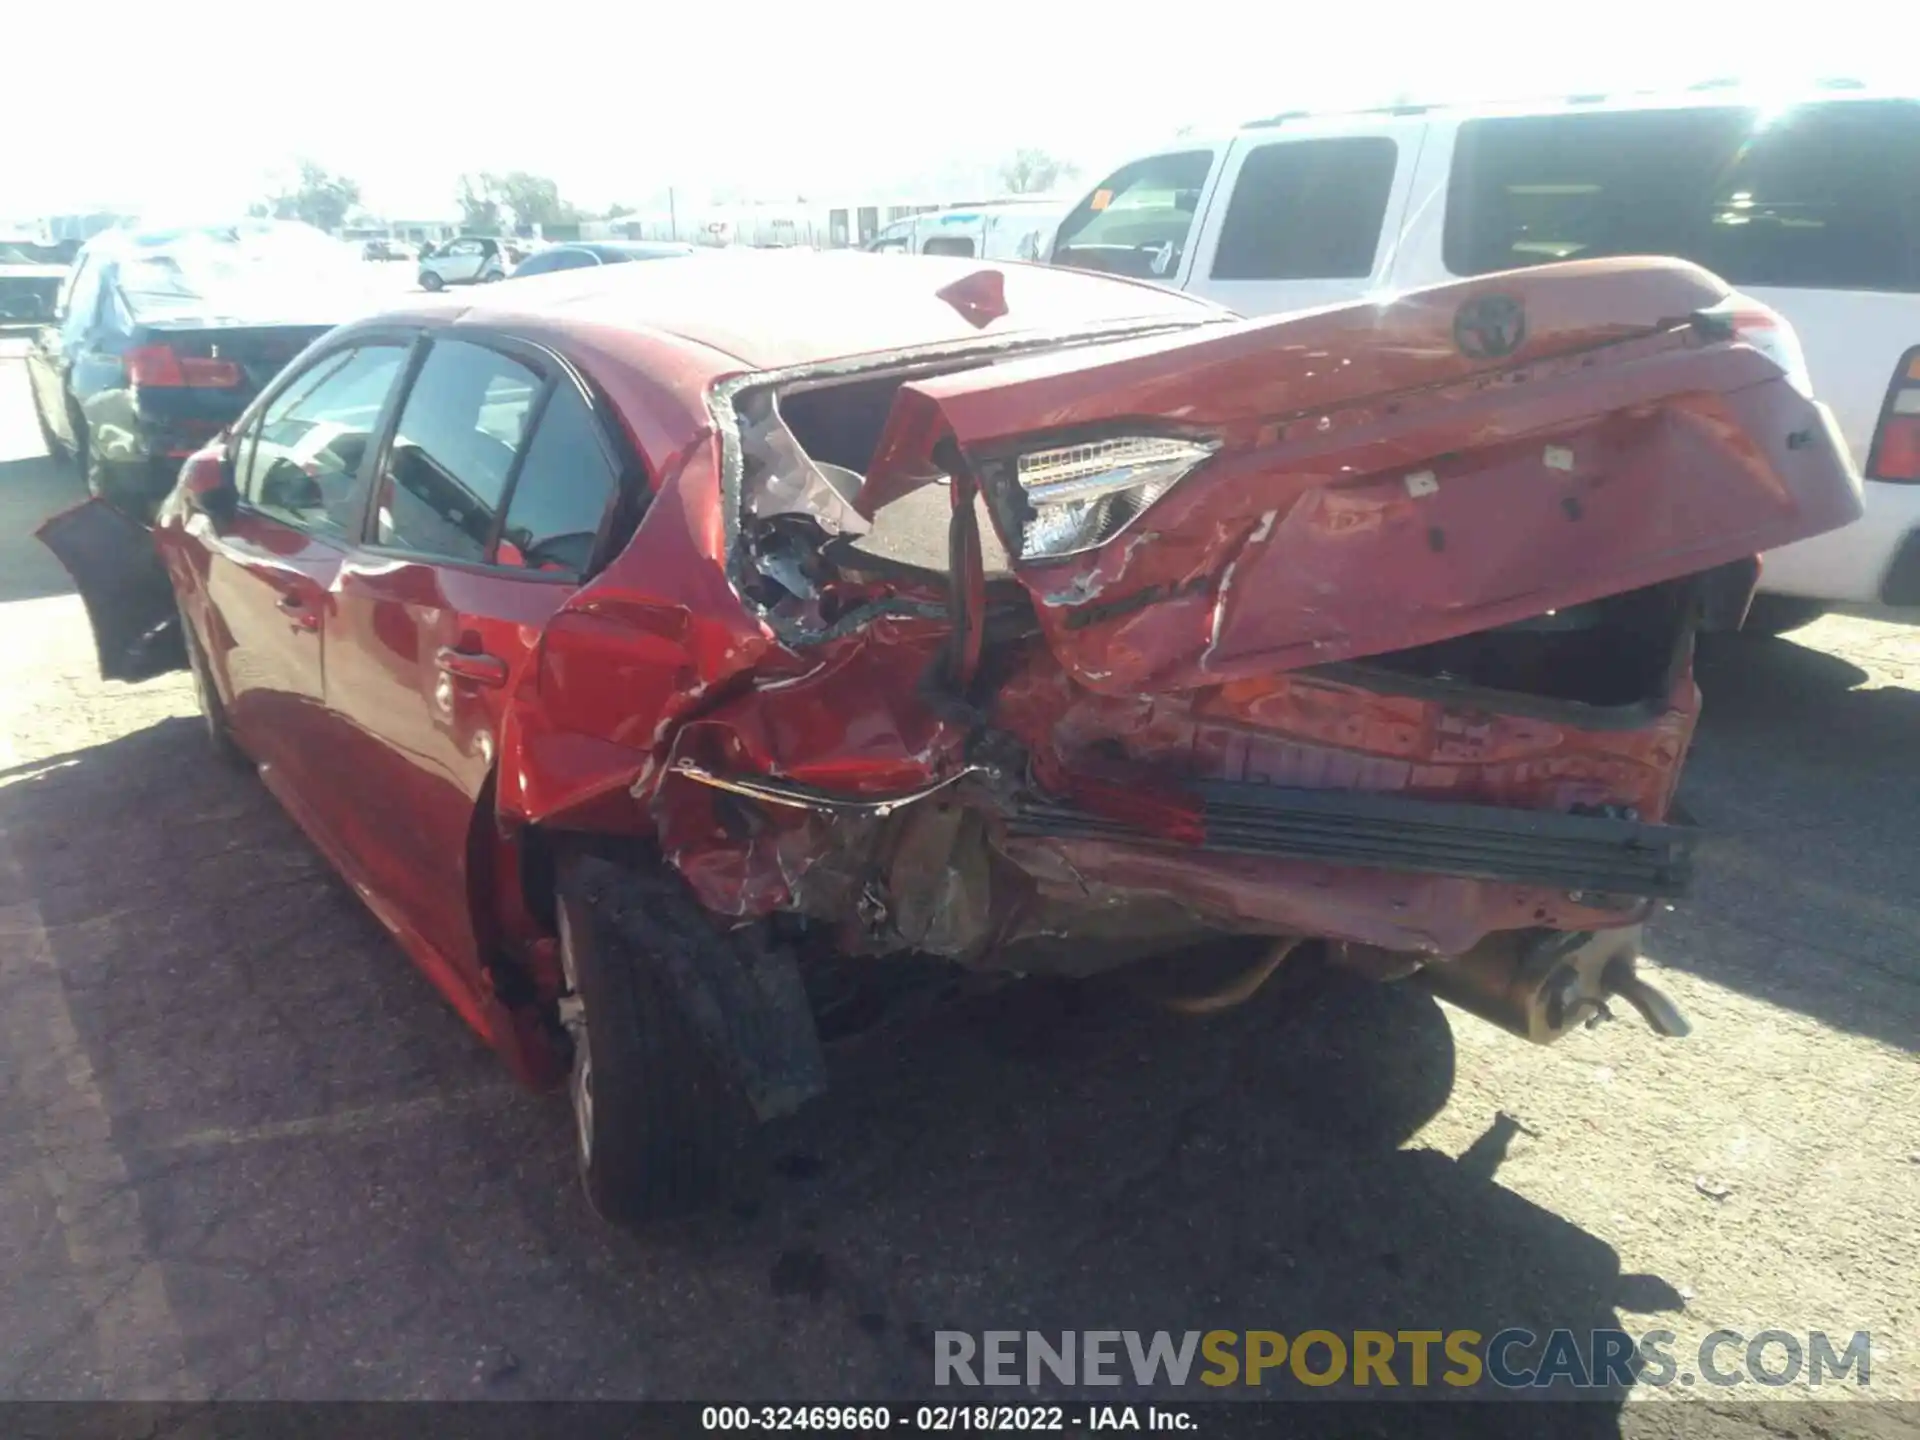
x=481 y=202
x=535 y=200
x=618 y=211
x=320 y=198
x=1030 y=171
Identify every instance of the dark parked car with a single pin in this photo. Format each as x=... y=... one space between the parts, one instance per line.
x=585 y=254
x=30 y=276
x=160 y=338
x=672 y=655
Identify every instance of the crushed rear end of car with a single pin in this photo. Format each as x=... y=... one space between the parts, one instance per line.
x=1371 y=627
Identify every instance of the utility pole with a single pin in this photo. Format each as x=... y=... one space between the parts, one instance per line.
x=673 y=221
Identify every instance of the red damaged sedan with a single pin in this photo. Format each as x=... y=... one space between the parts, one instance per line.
x=655 y=647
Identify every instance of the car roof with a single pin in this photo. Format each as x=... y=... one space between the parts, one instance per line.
x=771 y=309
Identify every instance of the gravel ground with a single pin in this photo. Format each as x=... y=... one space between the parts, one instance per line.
x=246 y=1152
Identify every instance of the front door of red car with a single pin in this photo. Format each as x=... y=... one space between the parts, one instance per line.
x=269 y=571
x=489 y=502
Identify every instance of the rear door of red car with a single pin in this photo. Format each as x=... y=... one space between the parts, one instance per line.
x=490 y=500
x=300 y=465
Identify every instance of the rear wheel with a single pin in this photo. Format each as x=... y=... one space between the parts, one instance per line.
x=1777 y=614
x=430 y=281
x=659 y=1128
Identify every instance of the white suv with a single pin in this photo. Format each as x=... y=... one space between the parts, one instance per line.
x=1811 y=207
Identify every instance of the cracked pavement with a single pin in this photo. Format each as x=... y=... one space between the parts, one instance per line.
x=246 y=1152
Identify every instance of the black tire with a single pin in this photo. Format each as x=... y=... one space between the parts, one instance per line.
x=1777 y=614
x=213 y=711
x=659 y=1129
x=431 y=282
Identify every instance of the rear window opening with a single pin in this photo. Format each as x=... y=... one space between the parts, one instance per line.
x=838 y=427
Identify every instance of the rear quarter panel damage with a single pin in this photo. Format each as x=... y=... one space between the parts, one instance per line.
x=645 y=641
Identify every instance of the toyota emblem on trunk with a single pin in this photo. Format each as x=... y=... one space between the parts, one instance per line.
x=1490 y=327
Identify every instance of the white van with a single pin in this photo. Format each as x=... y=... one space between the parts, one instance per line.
x=1811 y=207
x=1001 y=230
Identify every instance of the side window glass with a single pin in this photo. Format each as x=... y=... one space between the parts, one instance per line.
x=564 y=490
x=1308 y=210
x=301 y=458
x=1807 y=202
x=947 y=245
x=452 y=452
x=1527 y=190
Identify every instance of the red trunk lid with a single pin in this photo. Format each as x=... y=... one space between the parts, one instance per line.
x=1388 y=475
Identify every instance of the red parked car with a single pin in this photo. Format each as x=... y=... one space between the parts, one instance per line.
x=655 y=647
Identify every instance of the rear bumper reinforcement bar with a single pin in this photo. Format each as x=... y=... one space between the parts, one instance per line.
x=1532 y=847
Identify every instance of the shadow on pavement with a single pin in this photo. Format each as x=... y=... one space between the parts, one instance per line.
x=1808 y=779
x=30 y=490
x=346 y=1198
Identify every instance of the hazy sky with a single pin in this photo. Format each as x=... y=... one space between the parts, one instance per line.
x=194 y=105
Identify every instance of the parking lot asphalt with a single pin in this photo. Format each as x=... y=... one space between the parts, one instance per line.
x=246 y=1152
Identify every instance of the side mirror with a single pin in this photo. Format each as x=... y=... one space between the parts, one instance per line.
x=207 y=485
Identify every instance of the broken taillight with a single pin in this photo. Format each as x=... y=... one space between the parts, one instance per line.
x=1080 y=496
x=1895 y=455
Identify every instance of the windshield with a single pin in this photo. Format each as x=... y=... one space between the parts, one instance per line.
x=212 y=272
x=1137 y=220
